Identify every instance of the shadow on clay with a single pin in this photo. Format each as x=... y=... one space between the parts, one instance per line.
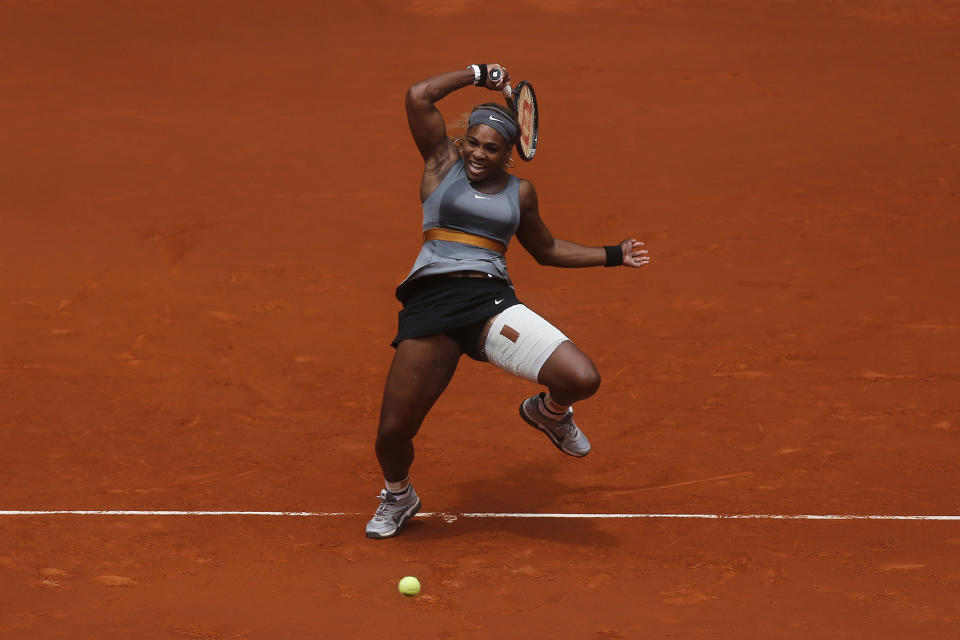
x=526 y=488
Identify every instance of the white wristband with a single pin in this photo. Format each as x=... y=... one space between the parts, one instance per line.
x=476 y=73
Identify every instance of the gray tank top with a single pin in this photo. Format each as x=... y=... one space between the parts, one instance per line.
x=456 y=205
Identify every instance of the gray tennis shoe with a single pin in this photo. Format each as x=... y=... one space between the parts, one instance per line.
x=563 y=432
x=392 y=514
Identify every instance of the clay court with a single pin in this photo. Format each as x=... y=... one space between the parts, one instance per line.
x=206 y=207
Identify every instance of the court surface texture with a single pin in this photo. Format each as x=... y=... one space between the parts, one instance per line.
x=206 y=209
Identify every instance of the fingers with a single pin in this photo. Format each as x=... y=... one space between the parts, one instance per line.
x=636 y=261
x=634 y=255
x=497 y=83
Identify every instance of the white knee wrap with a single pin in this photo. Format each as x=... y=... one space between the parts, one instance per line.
x=520 y=341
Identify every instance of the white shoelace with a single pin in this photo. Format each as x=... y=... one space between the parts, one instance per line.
x=387 y=510
x=569 y=429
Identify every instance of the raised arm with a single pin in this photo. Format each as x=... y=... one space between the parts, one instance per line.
x=536 y=238
x=427 y=125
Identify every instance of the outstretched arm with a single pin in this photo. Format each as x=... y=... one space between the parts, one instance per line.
x=536 y=238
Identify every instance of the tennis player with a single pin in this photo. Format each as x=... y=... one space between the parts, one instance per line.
x=458 y=297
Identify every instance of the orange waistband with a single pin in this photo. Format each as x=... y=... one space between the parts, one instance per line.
x=449 y=235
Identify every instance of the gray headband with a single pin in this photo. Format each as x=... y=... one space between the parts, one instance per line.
x=501 y=123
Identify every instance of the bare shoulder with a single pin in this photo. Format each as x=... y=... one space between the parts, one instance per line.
x=439 y=163
x=435 y=168
x=528 y=195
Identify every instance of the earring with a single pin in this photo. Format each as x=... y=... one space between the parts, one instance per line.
x=458 y=144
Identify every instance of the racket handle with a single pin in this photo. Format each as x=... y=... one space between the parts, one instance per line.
x=495 y=76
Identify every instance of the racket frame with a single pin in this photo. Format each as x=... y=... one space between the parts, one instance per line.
x=513 y=101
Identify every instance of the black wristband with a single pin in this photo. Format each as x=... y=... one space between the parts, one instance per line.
x=482 y=82
x=614 y=255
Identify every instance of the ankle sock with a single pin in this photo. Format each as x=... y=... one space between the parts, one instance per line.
x=399 y=489
x=552 y=408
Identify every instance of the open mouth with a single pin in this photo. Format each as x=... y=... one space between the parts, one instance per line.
x=476 y=168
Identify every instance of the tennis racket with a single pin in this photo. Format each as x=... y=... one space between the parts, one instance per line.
x=524 y=101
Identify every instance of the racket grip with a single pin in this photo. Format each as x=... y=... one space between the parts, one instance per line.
x=495 y=76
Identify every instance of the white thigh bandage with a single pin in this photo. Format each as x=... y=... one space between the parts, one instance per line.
x=520 y=341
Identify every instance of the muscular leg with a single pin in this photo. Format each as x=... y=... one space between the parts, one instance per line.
x=569 y=375
x=421 y=370
x=520 y=348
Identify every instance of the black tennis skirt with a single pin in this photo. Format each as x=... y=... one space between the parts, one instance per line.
x=459 y=307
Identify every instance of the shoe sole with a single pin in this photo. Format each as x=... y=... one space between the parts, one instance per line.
x=413 y=512
x=533 y=423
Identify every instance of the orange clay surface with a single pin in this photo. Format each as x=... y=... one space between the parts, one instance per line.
x=205 y=208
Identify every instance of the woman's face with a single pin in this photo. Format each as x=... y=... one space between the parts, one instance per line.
x=484 y=153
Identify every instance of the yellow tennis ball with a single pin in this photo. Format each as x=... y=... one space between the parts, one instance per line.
x=409 y=586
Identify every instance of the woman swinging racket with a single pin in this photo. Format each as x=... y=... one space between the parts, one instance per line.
x=458 y=298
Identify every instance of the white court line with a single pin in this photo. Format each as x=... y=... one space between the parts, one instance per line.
x=707 y=516
x=295 y=514
x=453 y=516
